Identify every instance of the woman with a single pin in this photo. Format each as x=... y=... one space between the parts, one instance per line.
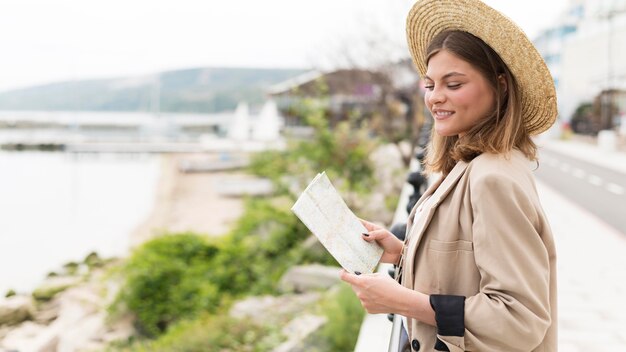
x=477 y=271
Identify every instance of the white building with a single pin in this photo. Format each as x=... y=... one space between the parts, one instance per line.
x=592 y=57
x=550 y=42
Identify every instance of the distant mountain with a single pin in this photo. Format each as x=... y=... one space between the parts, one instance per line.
x=201 y=90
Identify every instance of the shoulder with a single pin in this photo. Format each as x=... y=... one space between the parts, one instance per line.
x=514 y=166
x=512 y=172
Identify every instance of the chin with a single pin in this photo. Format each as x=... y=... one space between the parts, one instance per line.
x=445 y=133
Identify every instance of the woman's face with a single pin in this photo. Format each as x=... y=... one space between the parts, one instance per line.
x=457 y=94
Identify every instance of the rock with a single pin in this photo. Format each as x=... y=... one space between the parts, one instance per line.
x=81 y=325
x=390 y=170
x=120 y=330
x=81 y=334
x=301 y=333
x=273 y=310
x=18 y=339
x=53 y=285
x=16 y=309
x=47 y=312
x=315 y=250
x=73 y=307
x=305 y=278
x=4 y=330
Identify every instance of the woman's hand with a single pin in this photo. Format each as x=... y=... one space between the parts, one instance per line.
x=379 y=293
x=391 y=245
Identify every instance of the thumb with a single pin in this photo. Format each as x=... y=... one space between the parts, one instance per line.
x=352 y=279
x=368 y=225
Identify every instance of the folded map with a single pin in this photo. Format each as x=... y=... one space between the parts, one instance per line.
x=323 y=211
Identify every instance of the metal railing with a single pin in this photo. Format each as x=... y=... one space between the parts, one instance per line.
x=377 y=332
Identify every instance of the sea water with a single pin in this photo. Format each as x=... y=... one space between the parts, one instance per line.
x=59 y=207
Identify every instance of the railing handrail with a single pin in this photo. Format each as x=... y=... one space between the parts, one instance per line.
x=371 y=327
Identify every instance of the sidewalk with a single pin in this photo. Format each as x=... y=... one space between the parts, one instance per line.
x=591 y=264
x=585 y=151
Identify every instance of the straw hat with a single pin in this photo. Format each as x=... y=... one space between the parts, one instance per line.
x=428 y=18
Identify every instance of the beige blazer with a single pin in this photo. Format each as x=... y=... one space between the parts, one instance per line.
x=484 y=236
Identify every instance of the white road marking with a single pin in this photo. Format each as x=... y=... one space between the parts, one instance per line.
x=578 y=173
x=615 y=189
x=595 y=180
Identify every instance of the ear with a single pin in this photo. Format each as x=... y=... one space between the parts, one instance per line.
x=503 y=83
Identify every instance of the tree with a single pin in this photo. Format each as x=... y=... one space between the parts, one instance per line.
x=397 y=115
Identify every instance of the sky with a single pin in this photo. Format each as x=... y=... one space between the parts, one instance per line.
x=43 y=41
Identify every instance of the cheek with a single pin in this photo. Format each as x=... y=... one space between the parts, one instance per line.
x=467 y=97
x=478 y=100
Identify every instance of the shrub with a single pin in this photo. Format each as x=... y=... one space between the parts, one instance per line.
x=47 y=292
x=342 y=151
x=261 y=247
x=211 y=333
x=168 y=279
x=71 y=268
x=93 y=260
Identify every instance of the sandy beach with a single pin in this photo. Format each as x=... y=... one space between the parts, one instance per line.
x=189 y=202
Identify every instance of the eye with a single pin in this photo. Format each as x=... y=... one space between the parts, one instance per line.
x=429 y=86
x=454 y=85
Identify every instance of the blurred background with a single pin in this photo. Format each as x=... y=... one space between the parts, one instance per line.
x=151 y=151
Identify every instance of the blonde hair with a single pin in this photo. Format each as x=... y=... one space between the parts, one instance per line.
x=498 y=133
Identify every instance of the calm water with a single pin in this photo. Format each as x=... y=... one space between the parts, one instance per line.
x=57 y=207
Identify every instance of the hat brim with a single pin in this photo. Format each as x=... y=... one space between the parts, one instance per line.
x=428 y=18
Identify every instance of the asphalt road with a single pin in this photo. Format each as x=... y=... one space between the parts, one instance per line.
x=599 y=190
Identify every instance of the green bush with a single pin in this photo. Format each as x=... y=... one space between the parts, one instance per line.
x=46 y=292
x=71 y=268
x=261 y=247
x=93 y=260
x=211 y=333
x=168 y=279
x=342 y=151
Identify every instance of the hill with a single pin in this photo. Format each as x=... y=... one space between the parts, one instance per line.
x=200 y=90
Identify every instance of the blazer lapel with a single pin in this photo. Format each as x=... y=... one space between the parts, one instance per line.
x=443 y=187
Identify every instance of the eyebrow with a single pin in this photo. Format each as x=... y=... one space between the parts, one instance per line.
x=446 y=75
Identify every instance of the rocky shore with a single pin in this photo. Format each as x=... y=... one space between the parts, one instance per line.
x=67 y=312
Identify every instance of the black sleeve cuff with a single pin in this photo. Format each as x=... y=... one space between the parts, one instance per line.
x=449 y=314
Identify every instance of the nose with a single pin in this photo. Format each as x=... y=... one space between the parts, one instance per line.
x=435 y=96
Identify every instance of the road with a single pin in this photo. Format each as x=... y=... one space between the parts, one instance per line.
x=598 y=190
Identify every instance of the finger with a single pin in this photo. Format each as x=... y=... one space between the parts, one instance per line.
x=368 y=225
x=376 y=235
x=352 y=279
x=367 y=236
